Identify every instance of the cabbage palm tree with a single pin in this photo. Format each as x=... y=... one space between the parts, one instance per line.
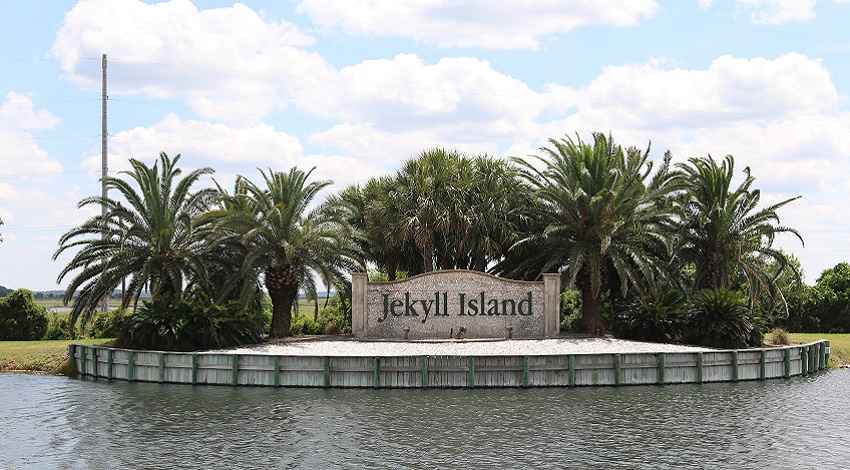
x=497 y=202
x=724 y=230
x=424 y=202
x=288 y=243
x=149 y=234
x=604 y=219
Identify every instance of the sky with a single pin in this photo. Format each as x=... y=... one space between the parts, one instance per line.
x=356 y=87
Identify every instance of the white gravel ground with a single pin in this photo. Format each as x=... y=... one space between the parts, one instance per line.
x=499 y=347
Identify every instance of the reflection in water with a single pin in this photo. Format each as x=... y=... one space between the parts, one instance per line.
x=56 y=422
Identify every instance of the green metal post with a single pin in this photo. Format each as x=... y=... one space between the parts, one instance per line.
x=109 y=362
x=700 y=362
x=194 y=369
x=662 y=372
x=131 y=366
x=82 y=360
x=161 y=359
x=618 y=371
x=813 y=359
x=763 y=365
x=234 y=369
x=734 y=366
x=424 y=360
x=571 y=361
x=376 y=377
x=804 y=360
x=525 y=371
x=471 y=362
x=71 y=352
x=276 y=380
x=787 y=362
x=826 y=348
x=94 y=362
x=327 y=375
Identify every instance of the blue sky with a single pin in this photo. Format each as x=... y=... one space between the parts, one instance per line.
x=355 y=87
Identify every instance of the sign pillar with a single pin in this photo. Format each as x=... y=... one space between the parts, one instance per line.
x=358 y=304
x=551 y=305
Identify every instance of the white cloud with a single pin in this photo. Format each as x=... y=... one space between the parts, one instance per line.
x=391 y=148
x=477 y=23
x=20 y=154
x=228 y=63
x=704 y=4
x=201 y=144
x=456 y=100
x=731 y=89
x=777 y=12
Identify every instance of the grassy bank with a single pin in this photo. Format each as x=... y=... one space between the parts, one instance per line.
x=38 y=356
x=839 y=345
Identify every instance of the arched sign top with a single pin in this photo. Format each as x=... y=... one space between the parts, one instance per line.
x=459 y=271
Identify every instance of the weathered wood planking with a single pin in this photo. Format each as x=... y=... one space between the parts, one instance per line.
x=449 y=371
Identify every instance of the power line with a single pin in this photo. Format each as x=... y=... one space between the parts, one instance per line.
x=27 y=103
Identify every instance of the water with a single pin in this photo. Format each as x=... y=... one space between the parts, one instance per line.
x=58 y=422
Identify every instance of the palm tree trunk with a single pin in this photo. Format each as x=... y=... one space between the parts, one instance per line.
x=428 y=254
x=480 y=262
x=283 y=290
x=392 y=268
x=591 y=317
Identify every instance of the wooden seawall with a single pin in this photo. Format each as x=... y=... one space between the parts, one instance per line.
x=450 y=371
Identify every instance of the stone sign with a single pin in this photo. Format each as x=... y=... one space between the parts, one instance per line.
x=455 y=303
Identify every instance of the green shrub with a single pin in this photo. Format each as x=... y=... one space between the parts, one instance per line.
x=305 y=325
x=335 y=318
x=658 y=316
x=58 y=328
x=174 y=323
x=719 y=318
x=570 y=310
x=20 y=318
x=108 y=324
x=336 y=313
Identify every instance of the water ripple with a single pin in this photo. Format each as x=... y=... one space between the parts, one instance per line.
x=56 y=422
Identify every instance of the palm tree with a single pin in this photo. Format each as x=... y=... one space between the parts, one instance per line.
x=497 y=201
x=723 y=230
x=603 y=219
x=426 y=201
x=287 y=243
x=150 y=235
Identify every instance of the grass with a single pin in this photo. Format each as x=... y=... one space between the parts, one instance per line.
x=839 y=344
x=48 y=357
